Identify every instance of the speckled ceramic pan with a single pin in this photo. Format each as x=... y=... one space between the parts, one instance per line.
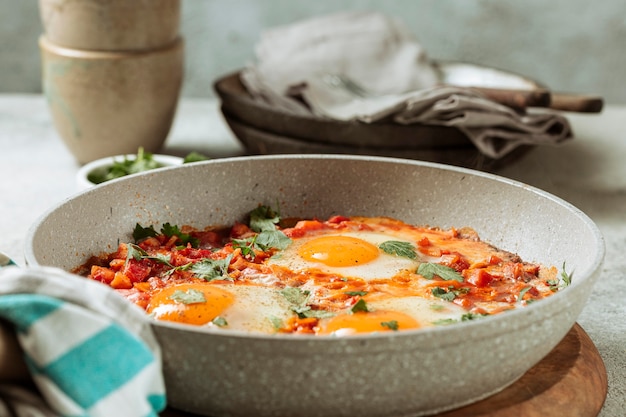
x=406 y=373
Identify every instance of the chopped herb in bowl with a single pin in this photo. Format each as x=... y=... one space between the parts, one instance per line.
x=106 y=169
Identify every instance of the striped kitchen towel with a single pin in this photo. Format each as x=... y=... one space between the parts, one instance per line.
x=90 y=352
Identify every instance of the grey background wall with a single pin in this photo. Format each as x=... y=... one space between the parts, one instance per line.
x=570 y=45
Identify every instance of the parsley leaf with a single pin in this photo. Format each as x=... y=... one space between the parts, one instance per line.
x=140 y=233
x=397 y=248
x=219 y=321
x=263 y=241
x=299 y=299
x=564 y=281
x=565 y=277
x=277 y=323
x=464 y=317
x=429 y=270
x=392 y=325
x=318 y=314
x=472 y=316
x=194 y=156
x=355 y=293
x=134 y=252
x=263 y=218
x=272 y=239
x=520 y=296
x=360 y=305
x=444 y=322
x=190 y=296
x=169 y=231
x=212 y=269
x=443 y=294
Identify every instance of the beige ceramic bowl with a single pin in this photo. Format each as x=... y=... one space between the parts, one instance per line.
x=111 y=25
x=407 y=373
x=111 y=103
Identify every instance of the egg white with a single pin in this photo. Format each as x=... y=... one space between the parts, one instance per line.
x=426 y=312
x=254 y=309
x=385 y=266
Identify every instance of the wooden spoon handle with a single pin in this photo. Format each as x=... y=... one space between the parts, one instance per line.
x=522 y=99
x=576 y=103
x=517 y=99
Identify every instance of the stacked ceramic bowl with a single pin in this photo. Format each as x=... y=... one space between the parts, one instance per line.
x=111 y=72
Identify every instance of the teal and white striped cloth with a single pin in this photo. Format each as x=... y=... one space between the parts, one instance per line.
x=90 y=352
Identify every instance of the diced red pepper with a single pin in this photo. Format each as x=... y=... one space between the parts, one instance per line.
x=102 y=274
x=477 y=277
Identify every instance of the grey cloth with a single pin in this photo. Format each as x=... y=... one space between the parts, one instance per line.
x=294 y=63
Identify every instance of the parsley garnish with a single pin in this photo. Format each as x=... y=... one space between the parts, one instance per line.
x=135 y=252
x=219 y=321
x=564 y=281
x=450 y=293
x=194 y=156
x=464 y=317
x=355 y=293
x=190 y=296
x=211 y=269
x=444 y=322
x=296 y=296
x=299 y=299
x=144 y=161
x=272 y=239
x=443 y=294
x=397 y=248
x=263 y=220
x=472 y=316
x=277 y=323
x=360 y=305
x=140 y=233
x=520 y=296
x=392 y=325
x=169 y=231
x=429 y=270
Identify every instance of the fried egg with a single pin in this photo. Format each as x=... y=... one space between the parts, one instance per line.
x=349 y=254
x=249 y=308
x=392 y=314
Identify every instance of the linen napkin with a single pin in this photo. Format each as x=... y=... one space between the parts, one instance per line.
x=295 y=66
x=89 y=351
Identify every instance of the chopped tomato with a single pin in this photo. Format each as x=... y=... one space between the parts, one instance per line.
x=136 y=271
x=121 y=281
x=102 y=274
x=477 y=277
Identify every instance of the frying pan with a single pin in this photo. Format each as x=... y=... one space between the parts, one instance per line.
x=405 y=373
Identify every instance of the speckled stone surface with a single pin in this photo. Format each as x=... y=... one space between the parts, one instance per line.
x=37 y=172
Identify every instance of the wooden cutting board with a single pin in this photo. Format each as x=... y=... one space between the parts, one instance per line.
x=571 y=380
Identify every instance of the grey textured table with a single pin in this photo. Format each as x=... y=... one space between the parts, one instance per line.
x=37 y=172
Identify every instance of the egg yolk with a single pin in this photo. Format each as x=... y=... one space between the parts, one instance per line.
x=338 y=251
x=368 y=322
x=190 y=303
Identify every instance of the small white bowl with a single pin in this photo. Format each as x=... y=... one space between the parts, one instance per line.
x=82 y=176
